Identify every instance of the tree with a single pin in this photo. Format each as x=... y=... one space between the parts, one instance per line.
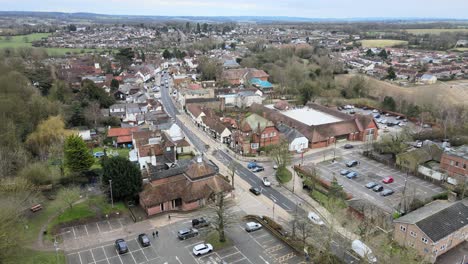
x=391 y=75
x=71 y=27
x=60 y=91
x=383 y=54
x=167 y=54
x=389 y=103
x=308 y=91
x=222 y=218
x=90 y=91
x=209 y=68
x=68 y=196
x=77 y=155
x=114 y=85
x=233 y=167
x=125 y=176
x=198 y=28
x=125 y=56
x=233 y=45
x=38 y=173
x=47 y=134
x=187 y=26
x=369 y=53
x=280 y=153
x=392 y=144
x=205 y=27
x=93 y=114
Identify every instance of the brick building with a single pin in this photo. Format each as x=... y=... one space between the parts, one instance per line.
x=455 y=163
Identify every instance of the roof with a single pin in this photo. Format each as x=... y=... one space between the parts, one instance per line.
x=124 y=139
x=461 y=152
x=254 y=122
x=119 y=131
x=261 y=83
x=214 y=124
x=439 y=218
x=424 y=154
x=288 y=132
x=195 y=109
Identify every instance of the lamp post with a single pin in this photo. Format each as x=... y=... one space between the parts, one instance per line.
x=294 y=178
x=274 y=202
x=56 y=249
x=112 y=198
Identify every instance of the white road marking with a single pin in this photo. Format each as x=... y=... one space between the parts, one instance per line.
x=87 y=234
x=286 y=206
x=266 y=262
x=177 y=258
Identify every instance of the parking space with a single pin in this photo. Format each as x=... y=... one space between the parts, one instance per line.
x=79 y=231
x=371 y=171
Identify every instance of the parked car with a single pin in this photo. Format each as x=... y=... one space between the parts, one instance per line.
x=426 y=126
x=202 y=249
x=200 y=222
x=187 y=233
x=275 y=167
x=419 y=144
x=383 y=121
x=121 y=246
x=388 y=114
x=351 y=175
x=348 y=146
x=351 y=163
x=375 y=111
x=98 y=154
x=376 y=116
x=363 y=251
x=387 y=192
x=252 y=165
x=252 y=226
x=255 y=190
x=344 y=172
x=315 y=218
x=370 y=185
x=388 y=179
x=144 y=240
x=258 y=169
x=377 y=188
x=266 y=182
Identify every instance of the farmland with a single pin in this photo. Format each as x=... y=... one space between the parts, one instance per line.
x=382 y=43
x=436 y=31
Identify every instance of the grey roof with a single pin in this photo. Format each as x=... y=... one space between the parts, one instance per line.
x=461 y=151
x=179 y=169
x=289 y=133
x=439 y=218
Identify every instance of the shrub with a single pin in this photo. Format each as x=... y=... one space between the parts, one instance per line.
x=440 y=196
x=272 y=223
x=396 y=215
x=283 y=175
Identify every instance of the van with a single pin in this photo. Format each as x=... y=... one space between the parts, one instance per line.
x=363 y=251
x=252 y=226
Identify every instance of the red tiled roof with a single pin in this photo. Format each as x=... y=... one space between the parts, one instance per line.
x=119 y=131
x=124 y=139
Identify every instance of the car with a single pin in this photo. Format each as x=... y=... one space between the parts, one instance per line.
x=402 y=124
x=387 y=192
x=399 y=117
x=376 y=116
x=144 y=240
x=426 y=126
x=121 y=246
x=352 y=112
x=252 y=165
x=344 y=172
x=275 y=167
x=266 y=182
x=348 y=146
x=383 y=121
x=315 y=218
x=388 y=179
x=377 y=188
x=375 y=111
x=258 y=169
x=365 y=108
x=187 y=233
x=388 y=114
x=252 y=226
x=202 y=249
x=370 y=185
x=390 y=124
x=419 y=144
x=405 y=120
x=98 y=154
x=255 y=190
x=351 y=175
x=200 y=222
x=351 y=163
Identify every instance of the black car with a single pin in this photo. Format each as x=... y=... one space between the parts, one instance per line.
x=255 y=190
x=187 y=233
x=200 y=222
x=377 y=188
x=351 y=163
x=348 y=146
x=144 y=240
x=121 y=246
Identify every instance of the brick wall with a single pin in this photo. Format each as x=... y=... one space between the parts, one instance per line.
x=448 y=163
x=190 y=206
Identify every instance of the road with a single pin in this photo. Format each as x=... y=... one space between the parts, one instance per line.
x=275 y=196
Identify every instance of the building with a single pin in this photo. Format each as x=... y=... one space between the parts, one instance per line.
x=120 y=135
x=410 y=160
x=455 y=163
x=254 y=133
x=433 y=229
x=296 y=140
x=188 y=186
x=428 y=79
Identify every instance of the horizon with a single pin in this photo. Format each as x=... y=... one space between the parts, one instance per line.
x=318 y=9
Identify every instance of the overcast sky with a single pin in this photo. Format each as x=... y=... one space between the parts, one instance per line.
x=294 y=8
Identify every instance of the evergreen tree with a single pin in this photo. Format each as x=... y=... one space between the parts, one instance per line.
x=125 y=176
x=167 y=54
x=77 y=155
x=391 y=73
x=198 y=28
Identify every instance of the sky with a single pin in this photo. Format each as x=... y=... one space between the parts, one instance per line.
x=457 y=9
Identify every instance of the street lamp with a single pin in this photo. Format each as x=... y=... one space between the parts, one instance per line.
x=112 y=198
x=294 y=178
x=274 y=202
x=56 y=248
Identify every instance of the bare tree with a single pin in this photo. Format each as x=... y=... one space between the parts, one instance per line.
x=69 y=196
x=233 y=167
x=93 y=113
x=222 y=218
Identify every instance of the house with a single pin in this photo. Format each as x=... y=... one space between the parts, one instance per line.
x=153 y=147
x=188 y=186
x=296 y=140
x=216 y=129
x=185 y=94
x=120 y=135
x=254 y=133
x=264 y=86
x=242 y=76
x=247 y=98
x=175 y=132
x=85 y=134
x=195 y=111
x=455 y=163
x=410 y=160
x=181 y=80
x=428 y=79
x=433 y=229
x=230 y=64
x=183 y=147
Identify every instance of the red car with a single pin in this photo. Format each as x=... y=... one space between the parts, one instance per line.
x=388 y=179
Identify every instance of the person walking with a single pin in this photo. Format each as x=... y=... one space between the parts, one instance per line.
x=157 y=233
x=154 y=234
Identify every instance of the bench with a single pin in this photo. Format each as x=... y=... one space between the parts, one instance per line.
x=36 y=208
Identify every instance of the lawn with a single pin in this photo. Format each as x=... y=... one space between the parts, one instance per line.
x=29 y=256
x=213 y=239
x=382 y=43
x=121 y=152
x=283 y=175
x=436 y=30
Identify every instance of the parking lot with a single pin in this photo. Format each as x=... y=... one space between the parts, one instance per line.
x=247 y=248
x=371 y=171
x=74 y=232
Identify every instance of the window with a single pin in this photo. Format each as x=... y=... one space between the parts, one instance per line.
x=442 y=247
x=254 y=145
x=451 y=163
x=424 y=240
x=413 y=234
x=435 y=251
x=403 y=228
x=426 y=250
x=274 y=134
x=168 y=149
x=263 y=135
x=456 y=164
x=464 y=166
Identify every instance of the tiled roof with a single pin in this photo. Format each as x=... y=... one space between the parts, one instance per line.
x=124 y=139
x=119 y=131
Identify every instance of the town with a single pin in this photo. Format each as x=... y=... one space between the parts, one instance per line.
x=131 y=139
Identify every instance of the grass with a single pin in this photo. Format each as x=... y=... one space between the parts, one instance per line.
x=283 y=175
x=382 y=43
x=325 y=201
x=213 y=239
x=29 y=256
x=122 y=152
x=434 y=31
x=459 y=49
x=38 y=219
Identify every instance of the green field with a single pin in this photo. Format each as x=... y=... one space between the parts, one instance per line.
x=436 y=30
x=25 y=41
x=382 y=43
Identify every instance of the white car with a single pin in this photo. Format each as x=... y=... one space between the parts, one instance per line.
x=202 y=249
x=252 y=226
x=315 y=219
x=266 y=182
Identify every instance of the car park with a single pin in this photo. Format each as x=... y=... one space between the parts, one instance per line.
x=370 y=185
x=144 y=240
x=314 y=218
x=351 y=163
x=377 y=188
x=388 y=179
x=255 y=190
x=251 y=165
x=351 y=175
x=344 y=172
x=252 y=226
x=266 y=182
x=121 y=246
x=387 y=192
x=348 y=146
x=258 y=169
x=200 y=222
x=187 y=233
x=202 y=249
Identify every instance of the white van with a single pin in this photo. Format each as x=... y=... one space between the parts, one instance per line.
x=363 y=251
x=252 y=226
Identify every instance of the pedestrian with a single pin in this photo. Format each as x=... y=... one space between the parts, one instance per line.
x=169 y=216
x=157 y=233
x=153 y=234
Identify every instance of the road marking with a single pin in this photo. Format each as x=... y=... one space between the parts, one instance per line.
x=92 y=255
x=79 y=256
x=286 y=206
x=87 y=234
x=177 y=258
x=74 y=232
x=272 y=196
